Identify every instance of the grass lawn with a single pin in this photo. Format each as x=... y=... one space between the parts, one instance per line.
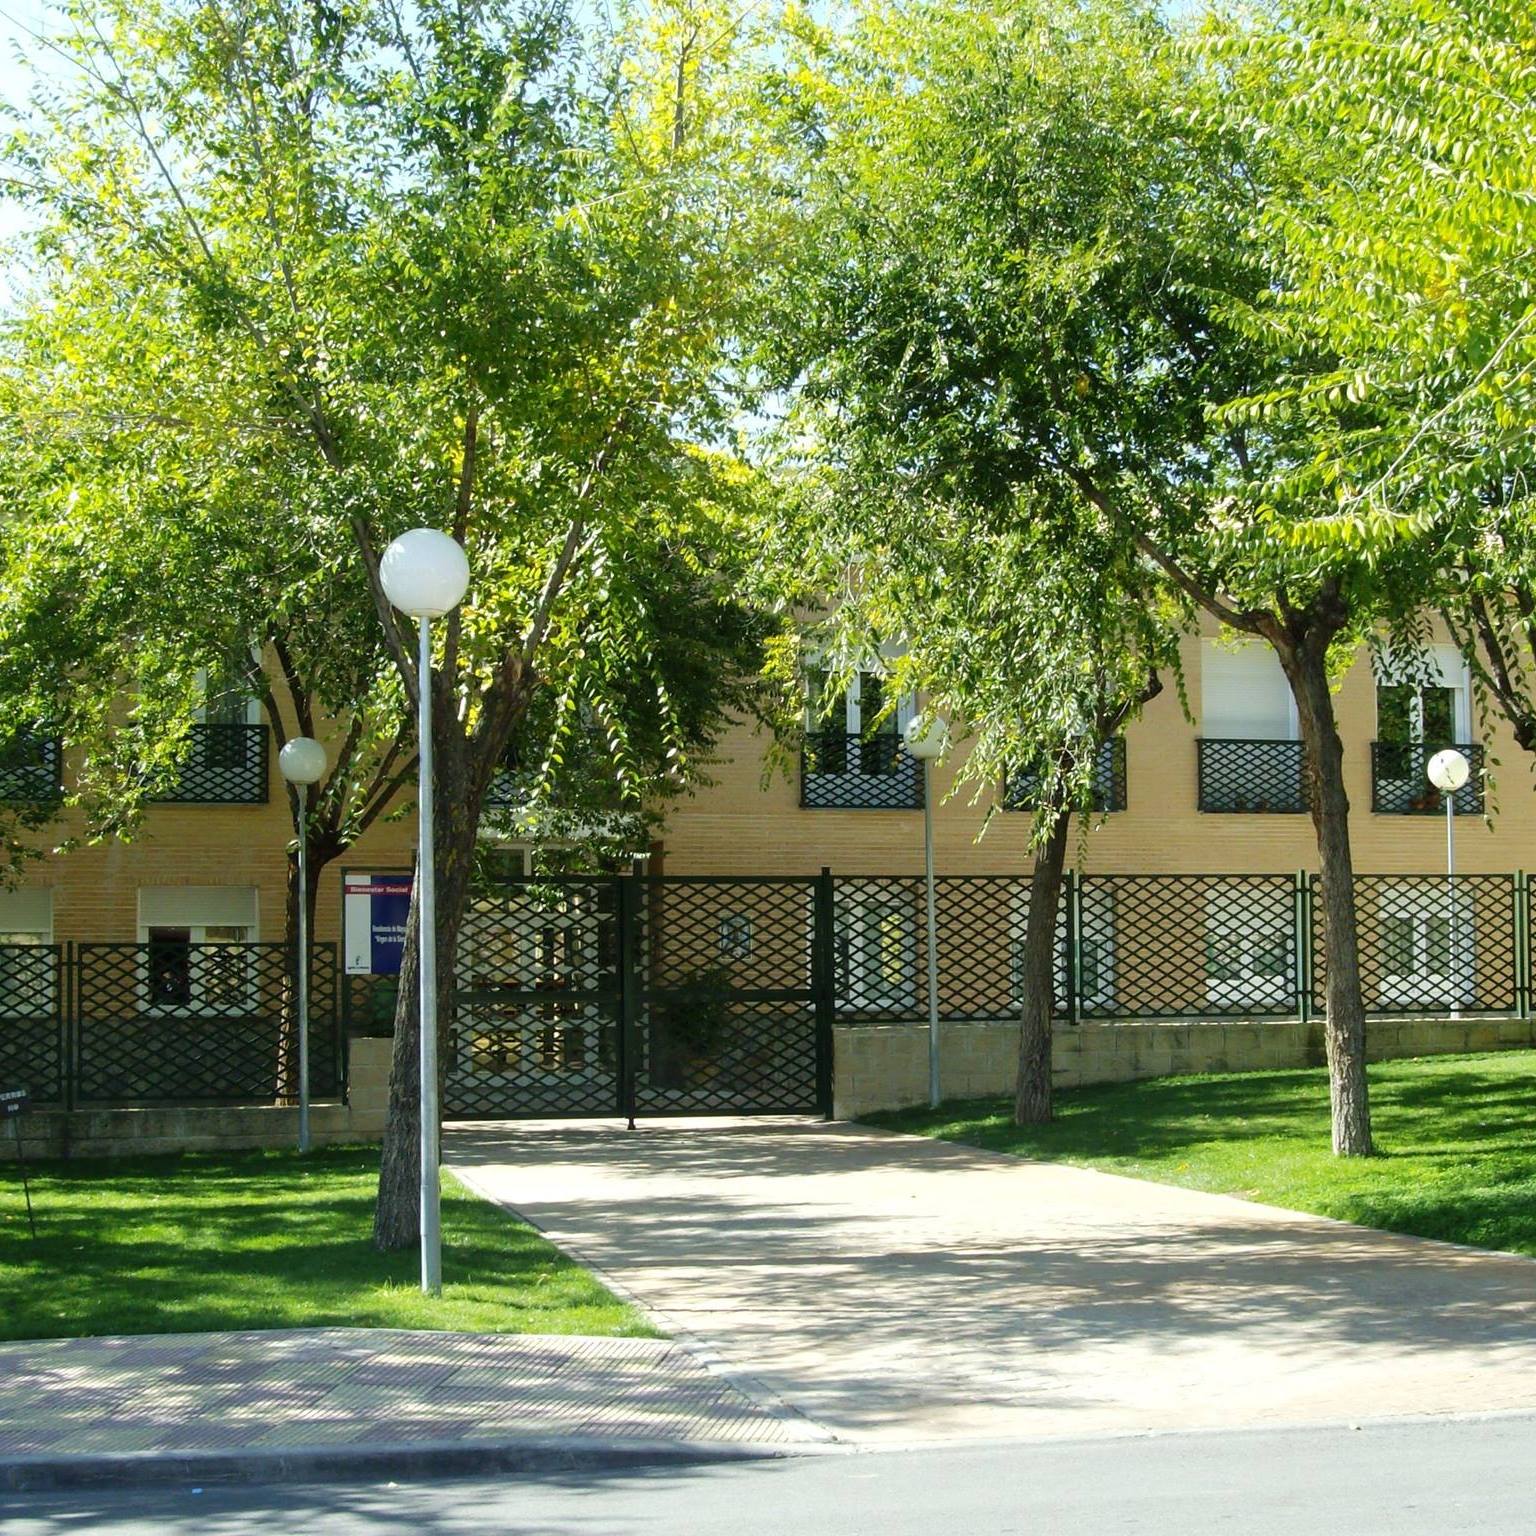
x=1456 y=1135
x=182 y=1243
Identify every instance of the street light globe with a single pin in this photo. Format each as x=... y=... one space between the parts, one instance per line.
x=302 y=760
x=1449 y=770
x=926 y=742
x=424 y=573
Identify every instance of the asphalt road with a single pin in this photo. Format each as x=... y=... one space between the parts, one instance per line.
x=1436 y=1477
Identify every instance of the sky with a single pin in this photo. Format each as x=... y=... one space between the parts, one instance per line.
x=23 y=21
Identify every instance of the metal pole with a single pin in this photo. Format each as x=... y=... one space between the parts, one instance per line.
x=26 y=1189
x=303 y=967
x=426 y=949
x=1451 y=960
x=933 y=941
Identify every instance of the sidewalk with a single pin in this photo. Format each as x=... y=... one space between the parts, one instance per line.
x=897 y=1289
x=277 y=1406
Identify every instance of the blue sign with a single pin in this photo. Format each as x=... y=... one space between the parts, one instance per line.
x=374 y=909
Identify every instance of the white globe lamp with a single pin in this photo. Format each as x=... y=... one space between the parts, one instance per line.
x=1449 y=770
x=425 y=573
x=302 y=763
x=926 y=740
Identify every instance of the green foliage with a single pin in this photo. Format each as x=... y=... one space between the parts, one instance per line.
x=961 y=339
x=1401 y=247
x=303 y=280
x=694 y=1016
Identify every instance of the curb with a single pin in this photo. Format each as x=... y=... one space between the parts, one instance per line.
x=424 y=1459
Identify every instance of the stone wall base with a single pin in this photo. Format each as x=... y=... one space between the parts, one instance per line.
x=885 y=1066
x=216 y=1127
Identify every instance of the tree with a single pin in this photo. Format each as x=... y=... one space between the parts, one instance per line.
x=132 y=600
x=1035 y=264
x=449 y=264
x=1408 y=129
x=1008 y=619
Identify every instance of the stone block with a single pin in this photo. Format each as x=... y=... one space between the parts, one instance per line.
x=1483 y=1035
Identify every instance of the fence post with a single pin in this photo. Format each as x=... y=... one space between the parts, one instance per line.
x=1074 y=947
x=823 y=986
x=1302 y=902
x=626 y=903
x=1522 y=944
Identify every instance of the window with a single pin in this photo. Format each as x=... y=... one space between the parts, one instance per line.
x=1421 y=706
x=875 y=954
x=852 y=758
x=28 y=969
x=1422 y=698
x=196 y=939
x=1427 y=943
x=1249 y=962
x=229 y=704
x=1095 y=950
x=1248 y=754
x=1244 y=695
x=836 y=716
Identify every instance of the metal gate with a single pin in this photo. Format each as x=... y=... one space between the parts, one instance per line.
x=597 y=995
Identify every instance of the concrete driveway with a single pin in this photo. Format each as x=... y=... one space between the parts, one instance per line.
x=894 y=1288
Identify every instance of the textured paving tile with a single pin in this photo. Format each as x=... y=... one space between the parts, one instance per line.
x=896 y=1289
x=262 y=1391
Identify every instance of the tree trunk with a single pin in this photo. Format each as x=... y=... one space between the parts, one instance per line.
x=1032 y=1093
x=397 y=1215
x=1306 y=667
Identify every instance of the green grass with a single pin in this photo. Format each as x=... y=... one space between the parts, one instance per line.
x=1456 y=1136
x=199 y=1241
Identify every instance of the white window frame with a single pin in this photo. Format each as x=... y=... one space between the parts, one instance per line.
x=36 y=934
x=1447 y=668
x=1420 y=906
x=205 y=940
x=866 y=991
x=252 y=705
x=1256 y=986
x=1211 y=648
x=1100 y=944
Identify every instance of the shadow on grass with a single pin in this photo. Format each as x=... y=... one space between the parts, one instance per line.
x=207 y=1241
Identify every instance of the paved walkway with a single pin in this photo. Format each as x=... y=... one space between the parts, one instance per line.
x=895 y=1288
x=245 y=1402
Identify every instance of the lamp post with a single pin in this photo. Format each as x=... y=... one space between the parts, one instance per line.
x=1448 y=771
x=425 y=573
x=927 y=744
x=302 y=763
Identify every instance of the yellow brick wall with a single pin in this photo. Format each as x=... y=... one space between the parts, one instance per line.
x=95 y=888
x=744 y=824
x=741 y=825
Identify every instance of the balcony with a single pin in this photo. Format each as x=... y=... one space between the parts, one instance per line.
x=585 y=773
x=225 y=765
x=1400 y=779
x=1252 y=777
x=1109 y=782
x=858 y=773
x=30 y=770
